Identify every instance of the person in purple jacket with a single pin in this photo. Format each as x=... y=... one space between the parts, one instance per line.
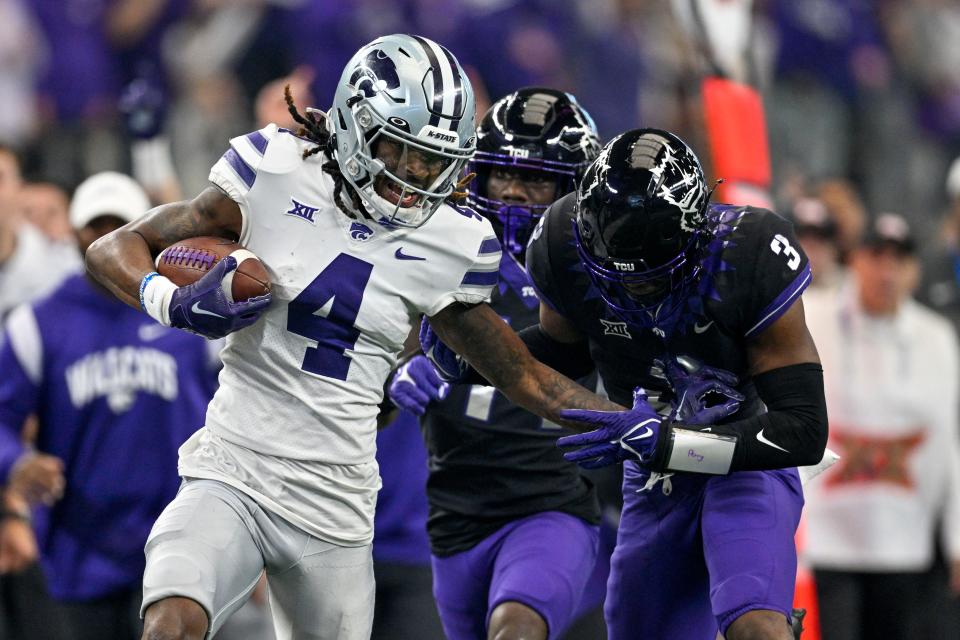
x=115 y=395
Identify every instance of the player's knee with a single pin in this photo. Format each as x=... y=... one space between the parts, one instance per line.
x=515 y=621
x=760 y=625
x=174 y=619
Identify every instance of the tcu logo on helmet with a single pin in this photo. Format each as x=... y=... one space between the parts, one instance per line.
x=360 y=231
x=624 y=266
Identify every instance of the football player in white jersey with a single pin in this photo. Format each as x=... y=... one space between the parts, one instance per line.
x=353 y=217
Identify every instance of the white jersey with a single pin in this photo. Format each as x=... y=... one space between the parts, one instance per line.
x=891 y=388
x=35 y=268
x=293 y=423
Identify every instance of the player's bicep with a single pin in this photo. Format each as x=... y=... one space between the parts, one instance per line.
x=211 y=213
x=787 y=341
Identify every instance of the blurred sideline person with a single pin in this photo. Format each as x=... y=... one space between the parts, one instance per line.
x=892 y=379
x=498 y=485
x=115 y=395
x=30 y=265
x=817 y=232
x=356 y=217
x=46 y=207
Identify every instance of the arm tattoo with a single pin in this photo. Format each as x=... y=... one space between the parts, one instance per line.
x=494 y=350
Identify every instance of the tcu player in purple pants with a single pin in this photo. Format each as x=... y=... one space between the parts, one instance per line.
x=513 y=526
x=699 y=305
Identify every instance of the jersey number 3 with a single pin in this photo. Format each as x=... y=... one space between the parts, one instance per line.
x=781 y=244
x=326 y=310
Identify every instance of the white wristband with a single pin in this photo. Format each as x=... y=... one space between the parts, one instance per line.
x=155 y=294
x=700 y=452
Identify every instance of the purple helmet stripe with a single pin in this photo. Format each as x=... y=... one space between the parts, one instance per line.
x=242 y=169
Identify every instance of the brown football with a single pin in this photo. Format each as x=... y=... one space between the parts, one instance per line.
x=188 y=260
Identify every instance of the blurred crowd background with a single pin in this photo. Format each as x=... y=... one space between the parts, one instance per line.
x=862 y=103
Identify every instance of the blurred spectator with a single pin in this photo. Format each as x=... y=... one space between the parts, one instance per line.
x=30 y=265
x=45 y=205
x=270 y=105
x=941 y=259
x=21 y=51
x=892 y=381
x=817 y=232
x=116 y=395
x=405 y=609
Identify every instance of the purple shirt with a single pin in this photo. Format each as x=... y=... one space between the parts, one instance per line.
x=400 y=525
x=116 y=394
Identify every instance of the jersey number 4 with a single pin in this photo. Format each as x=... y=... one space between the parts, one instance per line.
x=326 y=310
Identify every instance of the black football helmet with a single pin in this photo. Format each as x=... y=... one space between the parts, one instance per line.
x=641 y=225
x=537 y=129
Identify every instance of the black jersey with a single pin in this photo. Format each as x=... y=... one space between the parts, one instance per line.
x=492 y=462
x=753 y=271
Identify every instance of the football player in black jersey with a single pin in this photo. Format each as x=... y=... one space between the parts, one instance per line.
x=513 y=526
x=640 y=276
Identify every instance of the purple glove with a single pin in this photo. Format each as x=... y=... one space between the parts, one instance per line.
x=704 y=395
x=416 y=384
x=203 y=307
x=619 y=435
x=450 y=366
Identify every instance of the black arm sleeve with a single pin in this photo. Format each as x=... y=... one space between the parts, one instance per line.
x=571 y=359
x=793 y=432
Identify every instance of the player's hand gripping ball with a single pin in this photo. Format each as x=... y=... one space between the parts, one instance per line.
x=222 y=286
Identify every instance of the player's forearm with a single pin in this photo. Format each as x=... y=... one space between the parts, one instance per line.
x=495 y=351
x=793 y=432
x=546 y=393
x=119 y=261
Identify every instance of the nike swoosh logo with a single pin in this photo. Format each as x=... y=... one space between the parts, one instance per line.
x=698 y=329
x=768 y=443
x=203 y=312
x=399 y=255
x=647 y=432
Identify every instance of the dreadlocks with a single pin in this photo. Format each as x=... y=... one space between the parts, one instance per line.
x=315 y=129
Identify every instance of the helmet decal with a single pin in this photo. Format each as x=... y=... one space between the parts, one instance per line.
x=376 y=73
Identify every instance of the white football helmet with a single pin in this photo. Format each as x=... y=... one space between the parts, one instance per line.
x=404 y=121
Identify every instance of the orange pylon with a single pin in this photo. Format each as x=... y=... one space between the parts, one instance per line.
x=805 y=592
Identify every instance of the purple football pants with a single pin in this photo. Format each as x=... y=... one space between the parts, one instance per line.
x=542 y=561
x=695 y=555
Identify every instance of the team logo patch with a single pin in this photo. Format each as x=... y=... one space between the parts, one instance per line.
x=304 y=211
x=360 y=231
x=618 y=329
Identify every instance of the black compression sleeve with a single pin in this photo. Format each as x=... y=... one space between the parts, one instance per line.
x=793 y=432
x=571 y=359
